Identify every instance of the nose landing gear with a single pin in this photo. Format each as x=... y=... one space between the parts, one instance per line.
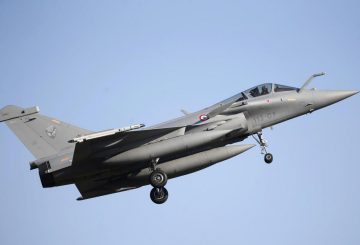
x=268 y=157
x=158 y=180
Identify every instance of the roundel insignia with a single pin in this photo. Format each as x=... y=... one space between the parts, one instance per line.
x=203 y=117
x=51 y=131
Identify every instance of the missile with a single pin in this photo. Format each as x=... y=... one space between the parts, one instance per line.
x=105 y=133
x=192 y=163
x=163 y=148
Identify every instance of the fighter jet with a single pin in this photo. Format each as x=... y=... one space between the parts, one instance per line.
x=121 y=159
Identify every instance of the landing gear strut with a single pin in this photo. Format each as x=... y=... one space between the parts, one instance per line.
x=158 y=180
x=268 y=158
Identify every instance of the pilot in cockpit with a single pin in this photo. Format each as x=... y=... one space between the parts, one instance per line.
x=264 y=89
x=255 y=92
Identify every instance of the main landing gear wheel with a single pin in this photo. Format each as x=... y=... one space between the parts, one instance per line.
x=268 y=158
x=158 y=178
x=159 y=195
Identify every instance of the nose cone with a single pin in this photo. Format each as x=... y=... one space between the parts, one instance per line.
x=325 y=98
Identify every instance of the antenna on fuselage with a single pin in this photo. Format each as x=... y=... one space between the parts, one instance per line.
x=309 y=80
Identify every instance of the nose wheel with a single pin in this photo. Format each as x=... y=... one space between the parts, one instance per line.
x=158 y=180
x=268 y=157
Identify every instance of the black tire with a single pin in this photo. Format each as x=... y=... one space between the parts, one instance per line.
x=158 y=179
x=159 y=195
x=268 y=158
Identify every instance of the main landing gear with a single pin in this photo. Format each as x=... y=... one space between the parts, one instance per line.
x=268 y=157
x=158 y=180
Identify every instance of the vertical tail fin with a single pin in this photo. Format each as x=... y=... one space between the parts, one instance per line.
x=42 y=136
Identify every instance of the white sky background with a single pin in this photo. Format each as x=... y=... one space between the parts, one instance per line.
x=108 y=64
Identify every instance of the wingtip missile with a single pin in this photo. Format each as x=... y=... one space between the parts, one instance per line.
x=105 y=133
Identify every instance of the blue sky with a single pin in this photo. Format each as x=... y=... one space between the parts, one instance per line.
x=108 y=64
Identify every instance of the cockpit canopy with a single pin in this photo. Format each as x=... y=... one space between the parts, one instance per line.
x=264 y=89
x=257 y=91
